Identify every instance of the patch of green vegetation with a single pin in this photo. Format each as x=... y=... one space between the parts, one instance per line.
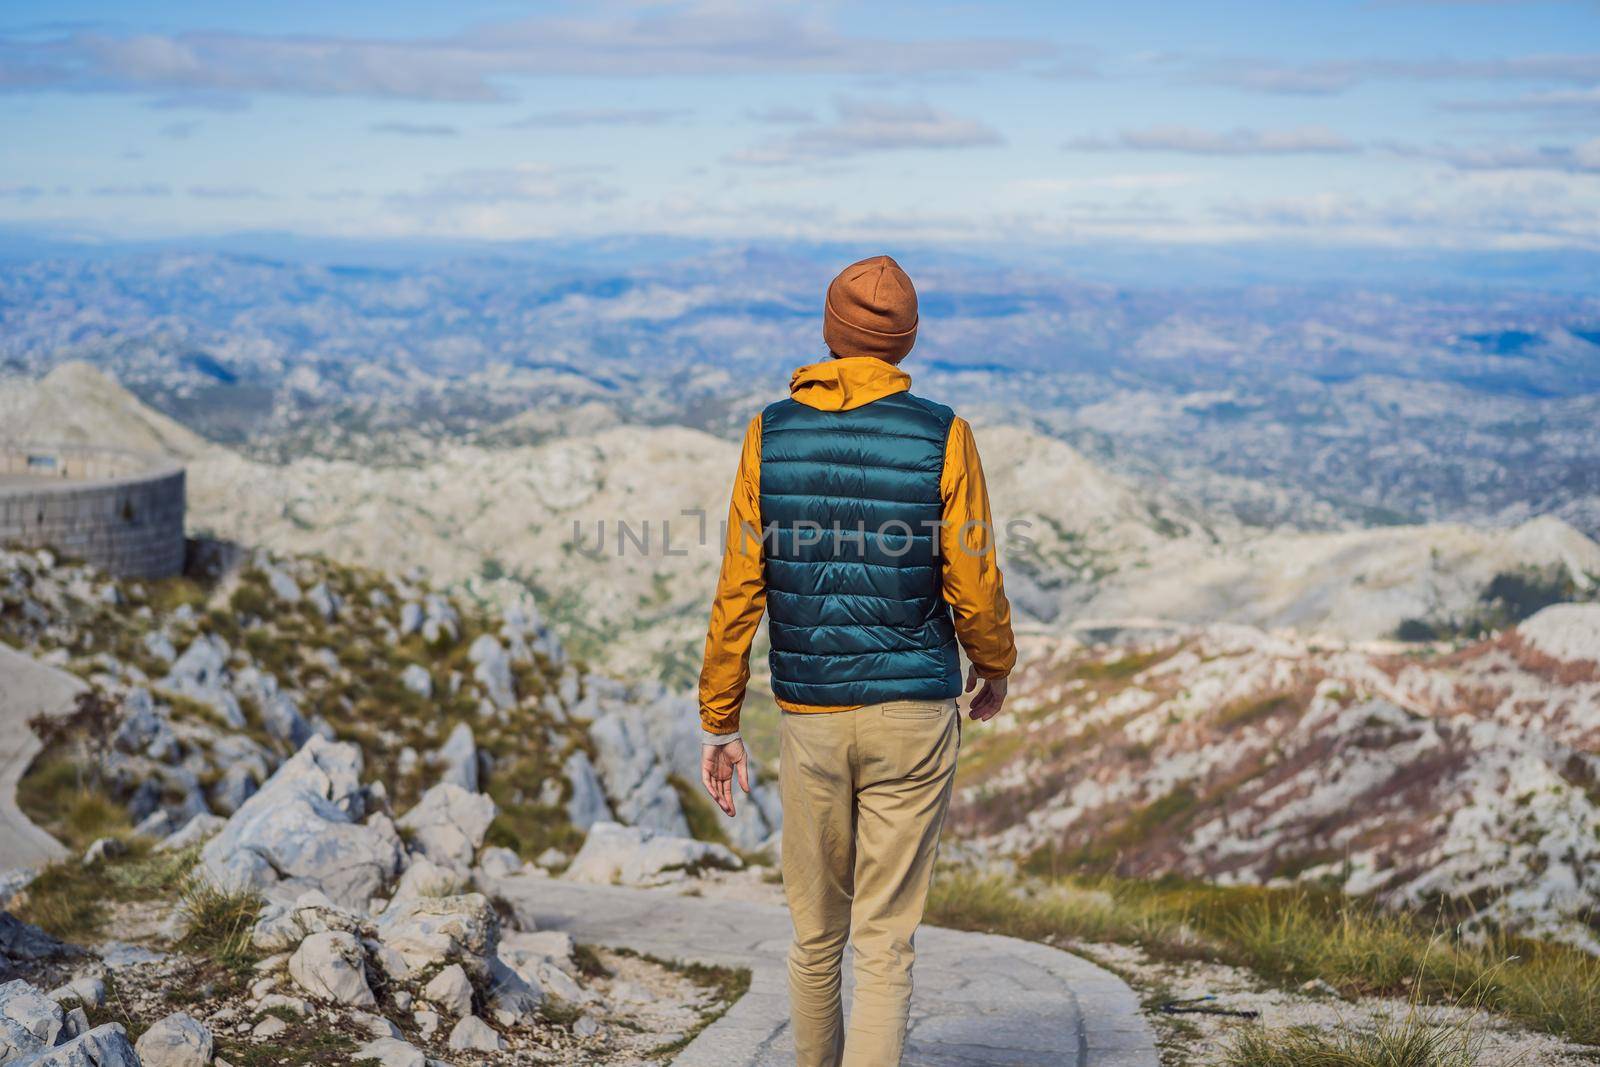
x=167 y=595
x=71 y=901
x=1245 y=712
x=1409 y=1042
x=57 y=795
x=304 y=1043
x=218 y=923
x=1119 y=669
x=1290 y=936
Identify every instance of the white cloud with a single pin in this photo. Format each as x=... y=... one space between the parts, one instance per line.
x=690 y=39
x=863 y=126
x=1239 y=142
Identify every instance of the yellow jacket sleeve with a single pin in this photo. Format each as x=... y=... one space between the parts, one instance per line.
x=741 y=597
x=972 y=584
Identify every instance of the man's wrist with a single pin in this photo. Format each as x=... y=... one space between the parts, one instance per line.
x=709 y=738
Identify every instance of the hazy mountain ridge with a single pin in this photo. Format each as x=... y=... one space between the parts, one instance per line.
x=1352 y=404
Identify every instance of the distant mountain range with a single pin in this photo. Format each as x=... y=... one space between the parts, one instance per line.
x=1311 y=406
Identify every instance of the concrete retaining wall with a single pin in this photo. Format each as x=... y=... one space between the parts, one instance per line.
x=117 y=510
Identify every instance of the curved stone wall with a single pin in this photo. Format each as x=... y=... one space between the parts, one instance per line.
x=120 y=511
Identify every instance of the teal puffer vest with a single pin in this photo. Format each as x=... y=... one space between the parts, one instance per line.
x=853 y=573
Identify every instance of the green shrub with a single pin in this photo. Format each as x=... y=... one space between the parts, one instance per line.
x=1410 y=1042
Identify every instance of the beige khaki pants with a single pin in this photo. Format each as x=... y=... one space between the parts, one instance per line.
x=864 y=797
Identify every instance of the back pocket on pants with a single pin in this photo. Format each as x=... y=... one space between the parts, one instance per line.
x=914 y=709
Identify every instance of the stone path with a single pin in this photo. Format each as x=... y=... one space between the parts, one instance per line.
x=980 y=1001
x=27 y=687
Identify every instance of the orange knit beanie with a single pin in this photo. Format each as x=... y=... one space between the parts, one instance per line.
x=871 y=311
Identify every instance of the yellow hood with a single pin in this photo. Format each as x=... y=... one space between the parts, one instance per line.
x=851 y=382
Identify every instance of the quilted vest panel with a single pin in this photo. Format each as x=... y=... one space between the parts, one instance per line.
x=850 y=507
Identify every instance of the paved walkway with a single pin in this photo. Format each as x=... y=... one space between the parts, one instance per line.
x=980 y=1001
x=27 y=687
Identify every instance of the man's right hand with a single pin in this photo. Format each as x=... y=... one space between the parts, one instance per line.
x=718 y=766
x=986 y=705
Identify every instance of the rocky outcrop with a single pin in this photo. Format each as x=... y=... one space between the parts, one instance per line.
x=448 y=824
x=305 y=829
x=179 y=1040
x=614 y=854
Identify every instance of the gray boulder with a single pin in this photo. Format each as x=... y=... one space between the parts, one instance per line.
x=331 y=965
x=635 y=777
x=23 y=941
x=451 y=990
x=179 y=1040
x=326 y=602
x=29 y=1021
x=281 y=926
x=417 y=679
x=459 y=757
x=438 y=931
x=587 y=805
x=139 y=724
x=492 y=669
x=637 y=855
x=448 y=823
x=104 y=1046
x=196 y=830
x=392 y=1052
x=282 y=585
x=425 y=878
x=472 y=1034
x=301 y=829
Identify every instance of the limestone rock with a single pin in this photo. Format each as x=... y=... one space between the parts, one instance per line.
x=587 y=805
x=87 y=990
x=417 y=679
x=104 y=1046
x=24 y=941
x=283 y=926
x=472 y=1034
x=451 y=990
x=392 y=1052
x=103 y=849
x=499 y=862
x=637 y=855
x=459 y=755
x=301 y=828
x=430 y=931
x=448 y=824
x=492 y=669
x=424 y=878
x=29 y=1021
x=179 y=1040
x=332 y=965
x=198 y=829
x=513 y=998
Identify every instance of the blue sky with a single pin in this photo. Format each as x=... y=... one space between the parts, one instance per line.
x=1422 y=124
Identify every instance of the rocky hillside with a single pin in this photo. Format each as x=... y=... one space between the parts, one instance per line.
x=219 y=682
x=291 y=791
x=501 y=521
x=1469 y=777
